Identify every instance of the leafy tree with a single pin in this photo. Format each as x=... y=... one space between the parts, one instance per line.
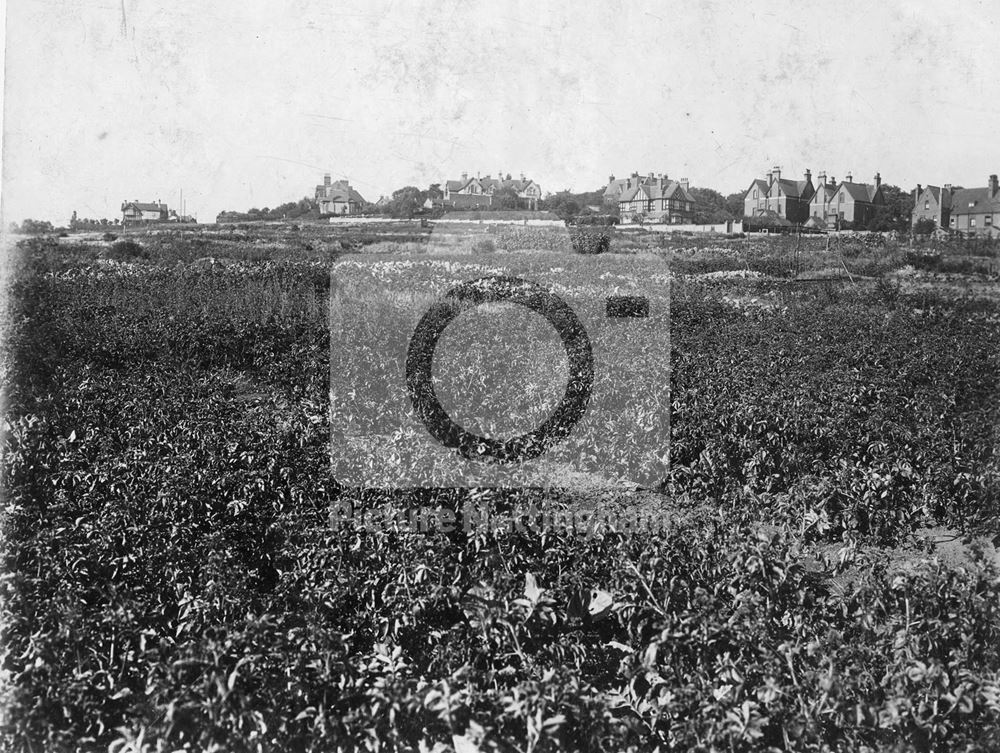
x=563 y=205
x=709 y=206
x=434 y=192
x=36 y=227
x=406 y=202
x=734 y=204
x=505 y=198
x=896 y=213
x=924 y=226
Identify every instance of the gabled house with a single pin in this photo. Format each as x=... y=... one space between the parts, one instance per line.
x=137 y=212
x=819 y=204
x=933 y=203
x=652 y=199
x=976 y=211
x=337 y=197
x=617 y=186
x=785 y=198
x=854 y=202
x=477 y=193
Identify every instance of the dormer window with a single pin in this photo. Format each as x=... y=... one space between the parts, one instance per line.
x=972 y=203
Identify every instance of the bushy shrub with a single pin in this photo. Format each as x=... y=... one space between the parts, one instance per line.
x=126 y=250
x=589 y=241
x=34 y=227
x=483 y=246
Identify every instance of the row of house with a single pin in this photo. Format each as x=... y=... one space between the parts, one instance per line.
x=651 y=198
x=340 y=198
x=827 y=205
x=480 y=192
x=968 y=210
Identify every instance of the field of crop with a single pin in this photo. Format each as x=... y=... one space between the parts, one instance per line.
x=826 y=578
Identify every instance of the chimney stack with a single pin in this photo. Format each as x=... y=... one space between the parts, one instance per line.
x=809 y=176
x=777 y=172
x=833 y=181
x=611 y=178
x=684 y=183
x=628 y=183
x=993 y=186
x=821 y=179
x=767 y=177
x=849 y=178
x=878 y=180
x=465 y=177
x=326 y=179
x=920 y=190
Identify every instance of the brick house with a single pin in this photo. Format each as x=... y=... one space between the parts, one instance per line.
x=933 y=203
x=976 y=211
x=477 y=193
x=787 y=199
x=338 y=197
x=651 y=198
x=834 y=204
x=819 y=204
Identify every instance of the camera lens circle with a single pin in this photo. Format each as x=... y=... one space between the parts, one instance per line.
x=497 y=289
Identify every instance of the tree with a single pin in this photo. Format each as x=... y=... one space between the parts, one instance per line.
x=36 y=227
x=563 y=204
x=924 y=226
x=505 y=198
x=734 y=204
x=896 y=213
x=709 y=206
x=434 y=192
x=406 y=202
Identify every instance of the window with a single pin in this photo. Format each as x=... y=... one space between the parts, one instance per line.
x=755 y=193
x=972 y=222
x=927 y=205
x=840 y=198
x=988 y=221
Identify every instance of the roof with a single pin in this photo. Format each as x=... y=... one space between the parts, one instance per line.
x=344 y=195
x=146 y=207
x=617 y=186
x=828 y=191
x=796 y=189
x=859 y=191
x=978 y=197
x=457 y=185
x=760 y=185
x=670 y=189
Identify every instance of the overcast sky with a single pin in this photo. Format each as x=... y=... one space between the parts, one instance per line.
x=244 y=104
